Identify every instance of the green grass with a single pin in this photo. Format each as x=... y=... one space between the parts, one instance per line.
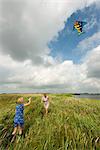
x=71 y=124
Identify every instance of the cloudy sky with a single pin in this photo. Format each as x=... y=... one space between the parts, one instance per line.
x=40 y=52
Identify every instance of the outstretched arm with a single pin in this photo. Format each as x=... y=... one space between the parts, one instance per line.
x=28 y=102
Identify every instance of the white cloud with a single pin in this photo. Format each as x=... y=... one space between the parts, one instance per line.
x=63 y=76
x=89 y=43
x=90 y=79
x=25 y=74
x=93 y=63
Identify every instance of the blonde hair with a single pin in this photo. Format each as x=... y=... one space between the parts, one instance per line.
x=19 y=101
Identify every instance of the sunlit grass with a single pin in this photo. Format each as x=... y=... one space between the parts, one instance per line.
x=71 y=124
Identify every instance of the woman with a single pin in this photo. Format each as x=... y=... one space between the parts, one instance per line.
x=45 y=100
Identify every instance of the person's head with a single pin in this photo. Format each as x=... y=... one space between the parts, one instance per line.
x=20 y=100
x=45 y=94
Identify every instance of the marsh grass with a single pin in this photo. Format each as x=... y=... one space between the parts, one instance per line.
x=71 y=124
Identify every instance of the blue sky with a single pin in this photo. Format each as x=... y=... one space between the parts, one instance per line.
x=66 y=44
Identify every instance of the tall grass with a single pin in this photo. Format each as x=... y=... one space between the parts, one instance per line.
x=71 y=124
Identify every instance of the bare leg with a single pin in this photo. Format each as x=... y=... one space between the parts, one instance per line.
x=46 y=111
x=20 y=130
x=14 y=131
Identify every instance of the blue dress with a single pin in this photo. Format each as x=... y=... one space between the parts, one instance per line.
x=19 y=115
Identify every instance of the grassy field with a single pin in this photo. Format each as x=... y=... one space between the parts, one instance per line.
x=71 y=124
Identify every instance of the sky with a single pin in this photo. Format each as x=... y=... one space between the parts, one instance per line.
x=40 y=52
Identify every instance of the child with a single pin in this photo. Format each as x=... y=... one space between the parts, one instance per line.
x=45 y=99
x=19 y=116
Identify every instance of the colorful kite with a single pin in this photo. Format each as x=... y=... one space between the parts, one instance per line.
x=78 y=25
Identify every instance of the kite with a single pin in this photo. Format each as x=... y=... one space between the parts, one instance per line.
x=78 y=25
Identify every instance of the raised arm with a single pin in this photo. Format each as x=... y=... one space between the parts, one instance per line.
x=28 y=102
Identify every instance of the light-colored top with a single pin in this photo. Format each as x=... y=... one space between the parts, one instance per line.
x=45 y=99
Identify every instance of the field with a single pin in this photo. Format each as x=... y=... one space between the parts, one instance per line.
x=71 y=124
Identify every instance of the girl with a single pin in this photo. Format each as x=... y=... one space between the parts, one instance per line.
x=45 y=99
x=19 y=116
